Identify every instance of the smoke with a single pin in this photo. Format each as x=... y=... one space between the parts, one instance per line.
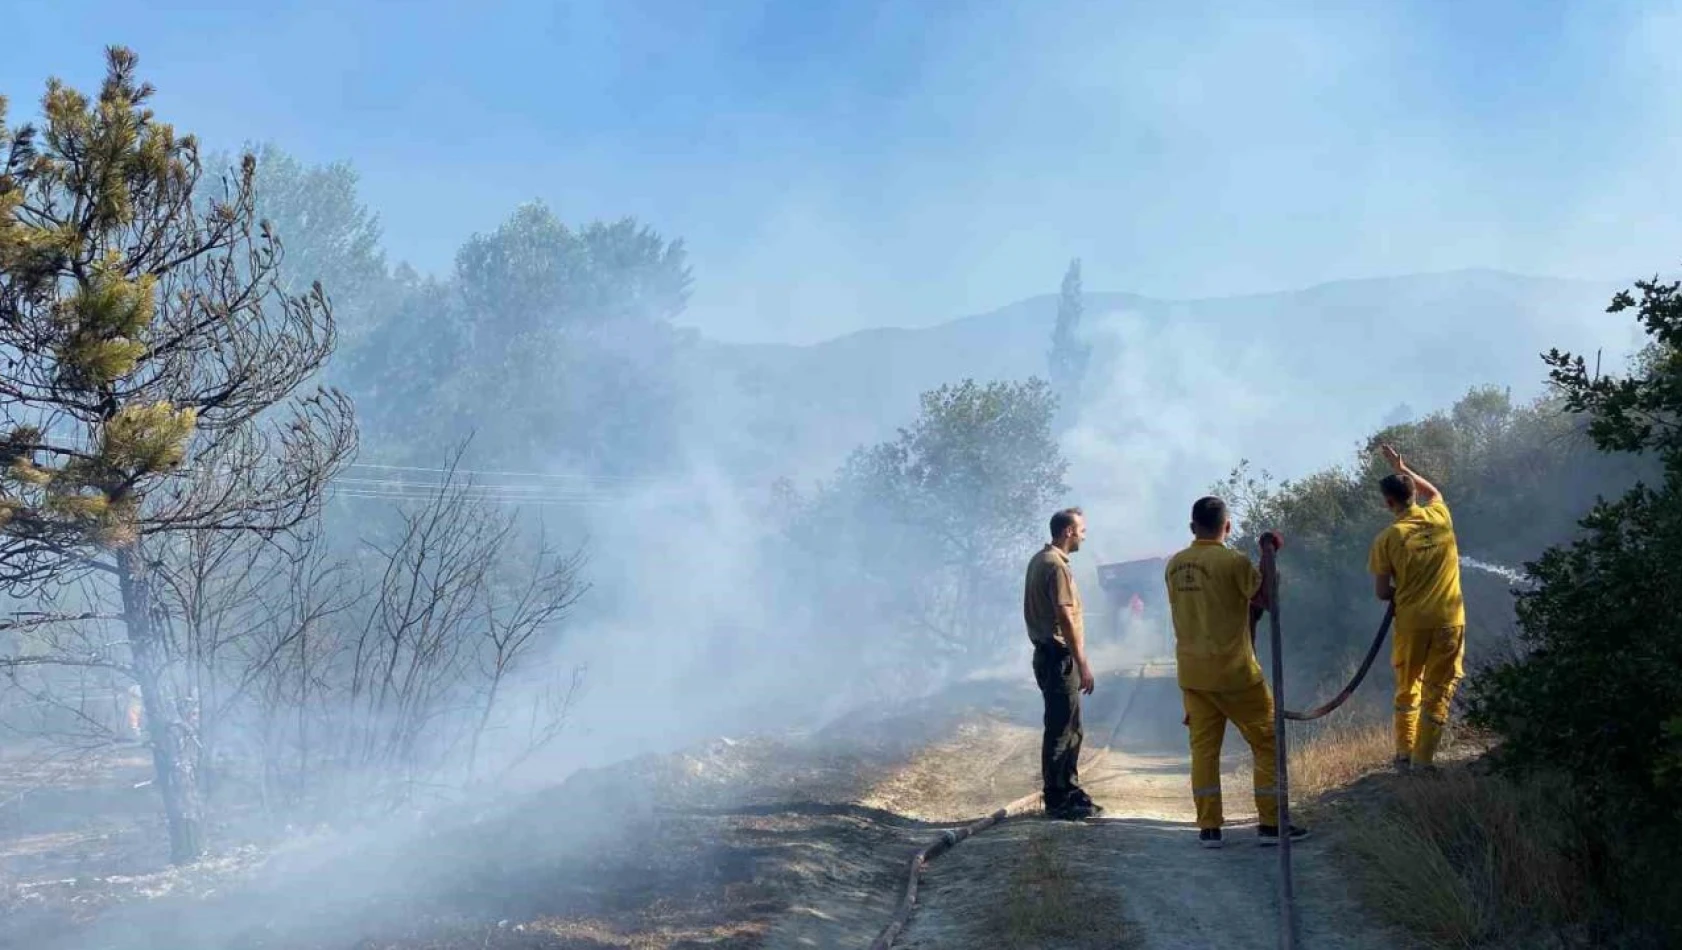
x=1232 y=174
x=698 y=625
x=1160 y=429
x=1180 y=394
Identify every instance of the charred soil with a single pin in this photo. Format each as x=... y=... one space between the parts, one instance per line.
x=770 y=841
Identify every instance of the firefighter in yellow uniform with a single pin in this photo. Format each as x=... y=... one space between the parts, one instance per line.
x=1210 y=587
x=1415 y=563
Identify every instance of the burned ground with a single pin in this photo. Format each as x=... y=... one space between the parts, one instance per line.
x=730 y=844
x=789 y=841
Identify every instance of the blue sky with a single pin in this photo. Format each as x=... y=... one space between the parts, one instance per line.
x=840 y=165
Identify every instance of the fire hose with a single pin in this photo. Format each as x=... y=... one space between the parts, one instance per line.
x=1355 y=681
x=950 y=837
x=1270 y=544
x=1269 y=594
x=1269 y=597
x=1282 y=781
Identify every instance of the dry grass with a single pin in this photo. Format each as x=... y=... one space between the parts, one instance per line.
x=1048 y=903
x=1459 y=858
x=1467 y=858
x=1336 y=754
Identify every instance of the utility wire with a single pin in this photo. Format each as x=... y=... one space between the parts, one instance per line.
x=639 y=479
x=573 y=502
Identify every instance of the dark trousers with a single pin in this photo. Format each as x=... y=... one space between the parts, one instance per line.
x=1059 y=681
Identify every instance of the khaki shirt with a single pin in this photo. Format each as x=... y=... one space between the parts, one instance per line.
x=1048 y=585
x=1209 y=591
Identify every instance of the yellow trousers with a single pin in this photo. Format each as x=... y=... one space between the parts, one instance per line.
x=1251 y=710
x=1429 y=664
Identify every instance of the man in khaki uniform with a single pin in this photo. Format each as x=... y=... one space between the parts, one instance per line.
x=1210 y=587
x=1415 y=563
x=1052 y=610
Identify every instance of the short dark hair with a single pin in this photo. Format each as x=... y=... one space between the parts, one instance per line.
x=1062 y=520
x=1397 y=487
x=1208 y=514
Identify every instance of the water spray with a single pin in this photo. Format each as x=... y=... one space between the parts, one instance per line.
x=1512 y=576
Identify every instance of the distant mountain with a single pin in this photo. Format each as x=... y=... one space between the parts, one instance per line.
x=1293 y=377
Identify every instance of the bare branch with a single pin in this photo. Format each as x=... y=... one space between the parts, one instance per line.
x=30 y=619
x=92 y=661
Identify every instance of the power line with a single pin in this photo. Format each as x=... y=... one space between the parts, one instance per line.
x=467 y=472
x=438 y=486
x=642 y=479
x=493 y=499
x=574 y=502
x=397 y=491
x=542 y=488
x=584 y=479
x=511 y=491
x=575 y=485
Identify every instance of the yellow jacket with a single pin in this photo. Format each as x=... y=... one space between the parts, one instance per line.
x=1209 y=590
x=1420 y=551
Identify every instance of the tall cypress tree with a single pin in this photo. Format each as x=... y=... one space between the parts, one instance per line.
x=1069 y=356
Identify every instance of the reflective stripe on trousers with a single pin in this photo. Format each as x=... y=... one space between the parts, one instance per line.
x=1428 y=665
x=1251 y=710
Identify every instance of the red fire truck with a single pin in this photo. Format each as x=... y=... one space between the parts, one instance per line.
x=1136 y=588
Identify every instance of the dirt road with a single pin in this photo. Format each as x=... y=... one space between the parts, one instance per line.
x=1135 y=878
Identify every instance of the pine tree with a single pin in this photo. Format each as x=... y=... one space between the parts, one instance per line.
x=148 y=350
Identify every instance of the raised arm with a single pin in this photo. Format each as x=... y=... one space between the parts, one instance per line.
x=1423 y=490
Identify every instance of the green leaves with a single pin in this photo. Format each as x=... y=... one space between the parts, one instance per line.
x=1667 y=773
x=1517 y=479
x=534 y=274
x=926 y=534
x=147 y=439
x=548 y=345
x=1639 y=412
x=103 y=321
x=979 y=463
x=1597 y=692
x=139 y=317
x=1069 y=356
x=1598 y=677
